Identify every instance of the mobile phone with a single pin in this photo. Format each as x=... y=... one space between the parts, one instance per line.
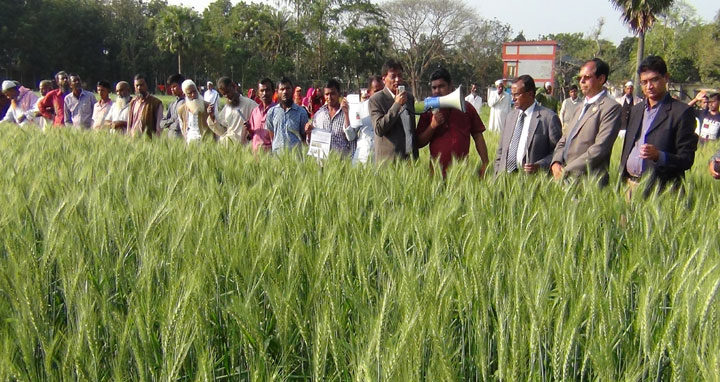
x=401 y=88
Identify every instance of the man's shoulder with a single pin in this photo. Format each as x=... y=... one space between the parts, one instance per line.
x=544 y=111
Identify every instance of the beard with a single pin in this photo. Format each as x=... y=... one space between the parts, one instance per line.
x=122 y=101
x=196 y=105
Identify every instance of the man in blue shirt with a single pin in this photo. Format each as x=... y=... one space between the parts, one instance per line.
x=79 y=104
x=286 y=121
x=660 y=142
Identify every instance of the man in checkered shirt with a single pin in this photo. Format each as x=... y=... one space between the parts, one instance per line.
x=333 y=116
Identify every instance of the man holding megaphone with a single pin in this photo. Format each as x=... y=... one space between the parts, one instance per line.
x=450 y=124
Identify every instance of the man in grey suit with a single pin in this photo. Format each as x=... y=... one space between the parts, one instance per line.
x=587 y=146
x=393 y=117
x=529 y=134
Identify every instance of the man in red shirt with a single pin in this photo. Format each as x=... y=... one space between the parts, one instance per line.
x=52 y=106
x=448 y=131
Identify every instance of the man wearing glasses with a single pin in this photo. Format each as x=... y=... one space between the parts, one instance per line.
x=586 y=147
x=660 y=142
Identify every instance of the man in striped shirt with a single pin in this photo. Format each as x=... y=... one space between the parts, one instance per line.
x=333 y=117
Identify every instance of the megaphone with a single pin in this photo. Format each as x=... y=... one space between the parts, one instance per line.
x=453 y=100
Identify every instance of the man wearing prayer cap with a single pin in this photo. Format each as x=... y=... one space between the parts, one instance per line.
x=544 y=97
x=626 y=103
x=212 y=96
x=22 y=101
x=193 y=115
x=499 y=102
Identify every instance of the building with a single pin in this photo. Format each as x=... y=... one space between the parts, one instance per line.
x=536 y=58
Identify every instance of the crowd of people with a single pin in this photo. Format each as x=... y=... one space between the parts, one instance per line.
x=661 y=133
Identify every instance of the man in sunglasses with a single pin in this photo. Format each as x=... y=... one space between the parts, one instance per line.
x=586 y=147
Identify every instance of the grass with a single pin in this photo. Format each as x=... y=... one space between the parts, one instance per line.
x=154 y=261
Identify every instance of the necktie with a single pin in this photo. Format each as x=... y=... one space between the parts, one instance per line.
x=574 y=130
x=511 y=164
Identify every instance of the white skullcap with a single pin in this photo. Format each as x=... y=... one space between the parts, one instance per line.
x=629 y=83
x=548 y=84
x=8 y=84
x=498 y=82
x=187 y=84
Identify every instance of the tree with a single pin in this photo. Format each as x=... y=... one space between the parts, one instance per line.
x=175 y=30
x=640 y=15
x=422 y=30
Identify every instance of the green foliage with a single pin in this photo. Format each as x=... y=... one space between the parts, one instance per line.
x=209 y=263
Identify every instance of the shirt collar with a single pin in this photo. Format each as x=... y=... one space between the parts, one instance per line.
x=595 y=98
x=665 y=99
x=530 y=109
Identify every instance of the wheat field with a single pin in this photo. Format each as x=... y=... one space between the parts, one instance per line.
x=130 y=260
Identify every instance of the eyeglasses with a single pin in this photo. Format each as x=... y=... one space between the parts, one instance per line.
x=585 y=78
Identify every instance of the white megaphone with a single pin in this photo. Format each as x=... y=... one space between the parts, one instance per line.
x=453 y=100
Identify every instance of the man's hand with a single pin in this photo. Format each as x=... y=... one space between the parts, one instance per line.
x=648 y=151
x=345 y=106
x=557 y=170
x=211 y=112
x=308 y=127
x=482 y=171
x=438 y=119
x=531 y=168
x=711 y=167
x=401 y=98
x=699 y=97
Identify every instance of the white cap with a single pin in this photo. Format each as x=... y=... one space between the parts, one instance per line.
x=547 y=84
x=498 y=82
x=187 y=84
x=629 y=83
x=9 y=84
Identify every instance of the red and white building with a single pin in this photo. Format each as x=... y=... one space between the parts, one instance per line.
x=536 y=58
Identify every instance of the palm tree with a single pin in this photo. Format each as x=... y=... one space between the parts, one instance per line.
x=640 y=15
x=176 y=29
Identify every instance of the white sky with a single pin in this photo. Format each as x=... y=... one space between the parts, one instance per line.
x=539 y=17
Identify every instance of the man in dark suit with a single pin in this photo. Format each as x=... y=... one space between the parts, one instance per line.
x=393 y=117
x=529 y=134
x=587 y=146
x=660 y=142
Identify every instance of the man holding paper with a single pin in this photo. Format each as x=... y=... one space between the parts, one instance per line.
x=333 y=117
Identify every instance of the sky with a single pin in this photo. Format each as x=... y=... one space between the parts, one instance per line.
x=540 y=17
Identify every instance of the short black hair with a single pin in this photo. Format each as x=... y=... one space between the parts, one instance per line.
x=285 y=80
x=175 y=79
x=139 y=77
x=71 y=75
x=573 y=87
x=61 y=73
x=712 y=95
x=441 y=74
x=267 y=82
x=528 y=83
x=391 y=65
x=601 y=67
x=376 y=78
x=653 y=64
x=225 y=83
x=104 y=84
x=333 y=83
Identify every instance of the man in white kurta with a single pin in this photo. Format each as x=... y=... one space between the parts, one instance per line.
x=499 y=103
x=474 y=98
x=235 y=115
